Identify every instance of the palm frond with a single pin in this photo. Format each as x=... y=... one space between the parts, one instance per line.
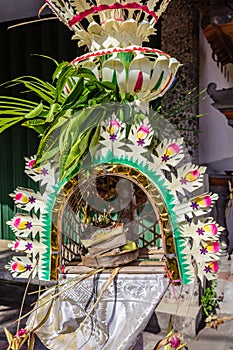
x=37 y=86
x=6 y=123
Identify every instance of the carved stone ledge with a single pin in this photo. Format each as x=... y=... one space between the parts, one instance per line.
x=223 y=101
x=217 y=25
x=220 y=38
x=220 y=180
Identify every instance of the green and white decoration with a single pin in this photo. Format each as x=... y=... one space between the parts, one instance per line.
x=74 y=123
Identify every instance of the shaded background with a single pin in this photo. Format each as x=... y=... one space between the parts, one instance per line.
x=50 y=38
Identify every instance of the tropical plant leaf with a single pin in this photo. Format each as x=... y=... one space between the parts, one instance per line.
x=14 y=112
x=74 y=123
x=77 y=138
x=48 y=57
x=87 y=74
x=106 y=85
x=77 y=151
x=59 y=69
x=94 y=141
x=83 y=149
x=70 y=111
x=74 y=95
x=39 y=125
x=84 y=119
x=53 y=110
x=43 y=84
x=51 y=154
x=6 y=123
x=100 y=97
x=35 y=112
x=42 y=89
x=190 y=99
x=63 y=77
x=84 y=100
x=65 y=142
x=50 y=138
x=18 y=102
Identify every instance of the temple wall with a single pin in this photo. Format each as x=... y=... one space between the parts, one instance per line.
x=216 y=137
x=179 y=38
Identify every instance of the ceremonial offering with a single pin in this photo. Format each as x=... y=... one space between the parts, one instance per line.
x=113 y=258
x=105 y=239
x=115 y=178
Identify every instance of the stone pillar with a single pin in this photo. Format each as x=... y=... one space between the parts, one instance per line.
x=183 y=304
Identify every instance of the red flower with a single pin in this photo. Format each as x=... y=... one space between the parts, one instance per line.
x=21 y=332
x=174 y=342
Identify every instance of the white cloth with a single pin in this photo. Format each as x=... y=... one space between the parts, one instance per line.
x=121 y=315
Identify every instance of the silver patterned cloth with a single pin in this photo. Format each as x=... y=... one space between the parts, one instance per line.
x=115 y=323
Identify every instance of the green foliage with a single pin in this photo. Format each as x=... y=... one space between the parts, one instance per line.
x=69 y=111
x=209 y=301
x=67 y=115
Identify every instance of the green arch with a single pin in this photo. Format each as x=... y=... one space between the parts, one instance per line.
x=152 y=175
